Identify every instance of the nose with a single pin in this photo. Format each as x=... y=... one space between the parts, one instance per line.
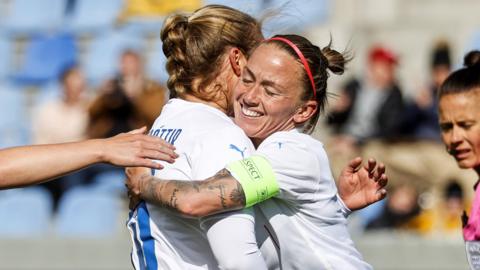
x=251 y=96
x=455 y=138
x=457 y=135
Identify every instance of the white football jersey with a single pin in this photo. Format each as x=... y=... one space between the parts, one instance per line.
x=206 y=140
x=303 y=227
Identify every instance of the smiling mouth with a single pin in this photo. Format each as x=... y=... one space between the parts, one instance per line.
x=250 y=113
x=460 y=154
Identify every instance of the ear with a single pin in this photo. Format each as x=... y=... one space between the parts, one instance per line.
x=237 y=60
x=305 y=112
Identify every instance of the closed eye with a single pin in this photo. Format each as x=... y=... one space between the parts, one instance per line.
x=466 y=125
x=246 y=80
x=270 y=92
x=445 y=127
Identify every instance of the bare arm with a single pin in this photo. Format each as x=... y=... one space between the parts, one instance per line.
x=217 y=194
x=359 y=186
x=29 y=165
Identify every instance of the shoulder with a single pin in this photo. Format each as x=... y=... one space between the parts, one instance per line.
x=195 y=113
x=352 y=83
x=395 y=91
x=294 y=139
x=394 y=99
x=227 y=135
x=352 y=86
x=299 y=163
x=152 y=86
x=292 y=150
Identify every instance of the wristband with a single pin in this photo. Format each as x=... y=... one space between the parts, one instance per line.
x=257 y=178
x=343 y=207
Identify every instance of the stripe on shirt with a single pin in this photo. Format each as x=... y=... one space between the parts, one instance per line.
x=137 y=246
x=146 y=236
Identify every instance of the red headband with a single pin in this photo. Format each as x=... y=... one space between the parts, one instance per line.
x=302 y=58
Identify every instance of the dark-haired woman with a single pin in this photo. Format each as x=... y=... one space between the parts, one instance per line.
x=459 y=116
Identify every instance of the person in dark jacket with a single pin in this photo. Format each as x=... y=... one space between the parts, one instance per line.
x=370 y=107
x=420 y=118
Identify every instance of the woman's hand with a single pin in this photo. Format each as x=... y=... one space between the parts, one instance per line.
x=133 y=182
x=360 y=186
x=136 y=149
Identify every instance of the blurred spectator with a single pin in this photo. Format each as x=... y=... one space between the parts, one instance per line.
x=451 y=209
x=370 y=107
x=415 y=158
x=63 y=120
x=404 y=210
x=129 y=101
x=126 y=102
x=366 y=109
x=399 y=211
x=420 y=119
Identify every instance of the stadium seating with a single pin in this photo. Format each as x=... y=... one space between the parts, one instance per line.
x=27 y=17
x=102 y=57
x=155 y=63
x=6 y=57
x=85 y=212
x=12 y=101
x=14 y=123
x=145 y=17
x=294 y=16
x=48 y=92
x=111 y=181
x=25 y=212
x=46 y=57
x=143 y=27
x=93 y=16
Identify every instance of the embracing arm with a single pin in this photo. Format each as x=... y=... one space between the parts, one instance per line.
x=359 y=186
x=254 y=182
x=29 y=165
x=216 y=194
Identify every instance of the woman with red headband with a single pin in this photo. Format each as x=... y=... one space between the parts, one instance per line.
x=281 y=92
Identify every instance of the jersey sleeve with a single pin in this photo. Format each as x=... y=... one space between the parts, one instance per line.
x=217 y=148
x=295 y=168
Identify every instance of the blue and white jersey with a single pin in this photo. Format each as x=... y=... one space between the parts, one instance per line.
x=206 y=140
x=304 y=226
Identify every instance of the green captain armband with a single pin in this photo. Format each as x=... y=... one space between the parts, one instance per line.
x=256 y=176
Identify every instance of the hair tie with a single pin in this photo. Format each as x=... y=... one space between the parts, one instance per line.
x=302 y=58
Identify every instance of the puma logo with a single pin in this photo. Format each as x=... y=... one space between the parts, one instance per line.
x=234 y=147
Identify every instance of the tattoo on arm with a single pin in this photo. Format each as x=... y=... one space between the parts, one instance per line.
x=221 y=174
x=148 y=188
x=173 y=199
x=237 y=195
x=216 y=194
x=221 y=188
